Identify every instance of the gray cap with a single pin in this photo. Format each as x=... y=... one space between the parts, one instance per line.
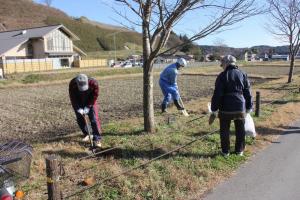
x=82 y=82
x=228 y=59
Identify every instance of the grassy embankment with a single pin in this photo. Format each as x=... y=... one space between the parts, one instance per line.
x=187 y=173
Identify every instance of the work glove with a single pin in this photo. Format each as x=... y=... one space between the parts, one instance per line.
x=212 y=118
x=80 y=111
x=86 y=110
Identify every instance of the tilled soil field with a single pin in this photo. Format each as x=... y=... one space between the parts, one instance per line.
x=36 y=114
x=269 y=70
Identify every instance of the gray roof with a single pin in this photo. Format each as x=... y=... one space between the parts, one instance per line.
x=10 y=39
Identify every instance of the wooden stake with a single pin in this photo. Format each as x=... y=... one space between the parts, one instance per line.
x=53 y=172
x=257 y=106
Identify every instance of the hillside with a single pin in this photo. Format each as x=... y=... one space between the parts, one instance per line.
x=239 y=52
x=17 y=14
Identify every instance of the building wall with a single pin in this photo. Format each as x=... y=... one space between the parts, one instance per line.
x=38 y=49
x=18 y=51
x=57 y=41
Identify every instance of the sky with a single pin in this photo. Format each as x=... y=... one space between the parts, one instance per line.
x=248 y=33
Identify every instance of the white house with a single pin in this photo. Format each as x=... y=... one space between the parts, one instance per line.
x=54 y=42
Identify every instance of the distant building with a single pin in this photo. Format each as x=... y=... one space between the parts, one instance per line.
x=166 y=59
x=173 y=58
x=54 y=42
x=249 y=56
x=280 y=57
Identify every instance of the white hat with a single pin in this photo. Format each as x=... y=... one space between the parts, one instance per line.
x=182 y=62
x=82 y=82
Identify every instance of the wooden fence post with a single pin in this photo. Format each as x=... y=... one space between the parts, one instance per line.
x=257 y=106
x=53 y=172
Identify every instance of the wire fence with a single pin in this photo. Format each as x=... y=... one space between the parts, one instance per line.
x=134 y=168
x=40 y=113
x=103 y=180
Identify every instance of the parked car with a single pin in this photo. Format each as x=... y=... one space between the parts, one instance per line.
x=136 y=63
x=127 y=64
x=117 y=64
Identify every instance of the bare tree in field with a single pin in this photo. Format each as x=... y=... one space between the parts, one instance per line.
x=48 y=2
x=286 y=25
x=157 y=19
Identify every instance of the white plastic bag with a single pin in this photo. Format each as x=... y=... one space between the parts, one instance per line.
x=209 y=107
x=249 y=126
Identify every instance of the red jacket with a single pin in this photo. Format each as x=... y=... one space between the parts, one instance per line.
x=86 y=98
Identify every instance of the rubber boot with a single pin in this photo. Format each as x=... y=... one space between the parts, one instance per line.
x=179 y=107
x=163 y=108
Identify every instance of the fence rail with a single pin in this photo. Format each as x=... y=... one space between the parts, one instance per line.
x=45 y=64
x=90 y=63
x=26 y=65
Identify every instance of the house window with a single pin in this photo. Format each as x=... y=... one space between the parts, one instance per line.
x=64 y=62
x=50 y=44
x=59 y=42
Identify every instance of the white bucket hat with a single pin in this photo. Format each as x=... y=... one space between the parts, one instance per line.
x=82 y=82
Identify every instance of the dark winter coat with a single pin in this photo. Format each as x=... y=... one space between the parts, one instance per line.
x=82 y=99
x=232 y=92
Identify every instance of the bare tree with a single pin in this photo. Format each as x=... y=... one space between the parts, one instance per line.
x=286 y=26
x=48 y=2
x=157 y=19
x=221 y=47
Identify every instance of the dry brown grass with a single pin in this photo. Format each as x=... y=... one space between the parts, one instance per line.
x=189 y=173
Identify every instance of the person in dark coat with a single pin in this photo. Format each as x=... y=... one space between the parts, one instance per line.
x=83 y=92
x=232 y=98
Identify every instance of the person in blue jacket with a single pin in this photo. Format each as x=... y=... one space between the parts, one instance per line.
x=232 y=97
x=168 y=84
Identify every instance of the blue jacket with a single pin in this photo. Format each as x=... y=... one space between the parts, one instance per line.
x=169 y=74
x=232 y=91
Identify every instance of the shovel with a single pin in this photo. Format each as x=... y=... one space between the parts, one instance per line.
x=184 y=112
x=93 y=149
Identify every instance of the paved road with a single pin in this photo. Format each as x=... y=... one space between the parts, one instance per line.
x=273 y=174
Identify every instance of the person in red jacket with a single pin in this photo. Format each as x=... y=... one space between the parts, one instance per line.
x=83 y=93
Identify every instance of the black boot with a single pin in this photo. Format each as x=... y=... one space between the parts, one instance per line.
x=179 y=107
x=163 y=108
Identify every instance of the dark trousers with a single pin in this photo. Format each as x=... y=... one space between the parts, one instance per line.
x=95 y=123
x=239 y=134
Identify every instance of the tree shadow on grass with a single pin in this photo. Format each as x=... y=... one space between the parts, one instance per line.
x=54 y=134
x=127 y=154
x=65 y=154
x=264 y=131
x=124 y=133
x=120 y=153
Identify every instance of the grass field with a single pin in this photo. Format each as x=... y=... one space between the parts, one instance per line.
x=42 y=116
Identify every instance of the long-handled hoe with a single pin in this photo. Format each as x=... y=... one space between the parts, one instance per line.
x=86 y=120
x=184 y=112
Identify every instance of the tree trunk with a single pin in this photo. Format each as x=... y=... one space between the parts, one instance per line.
x=292 y=64
x=149 y=124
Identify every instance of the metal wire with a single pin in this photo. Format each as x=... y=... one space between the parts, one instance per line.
x=149 y=161
x=137 y=167
x=105 y=151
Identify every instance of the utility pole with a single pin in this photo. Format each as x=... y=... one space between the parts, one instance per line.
x=115 y=61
